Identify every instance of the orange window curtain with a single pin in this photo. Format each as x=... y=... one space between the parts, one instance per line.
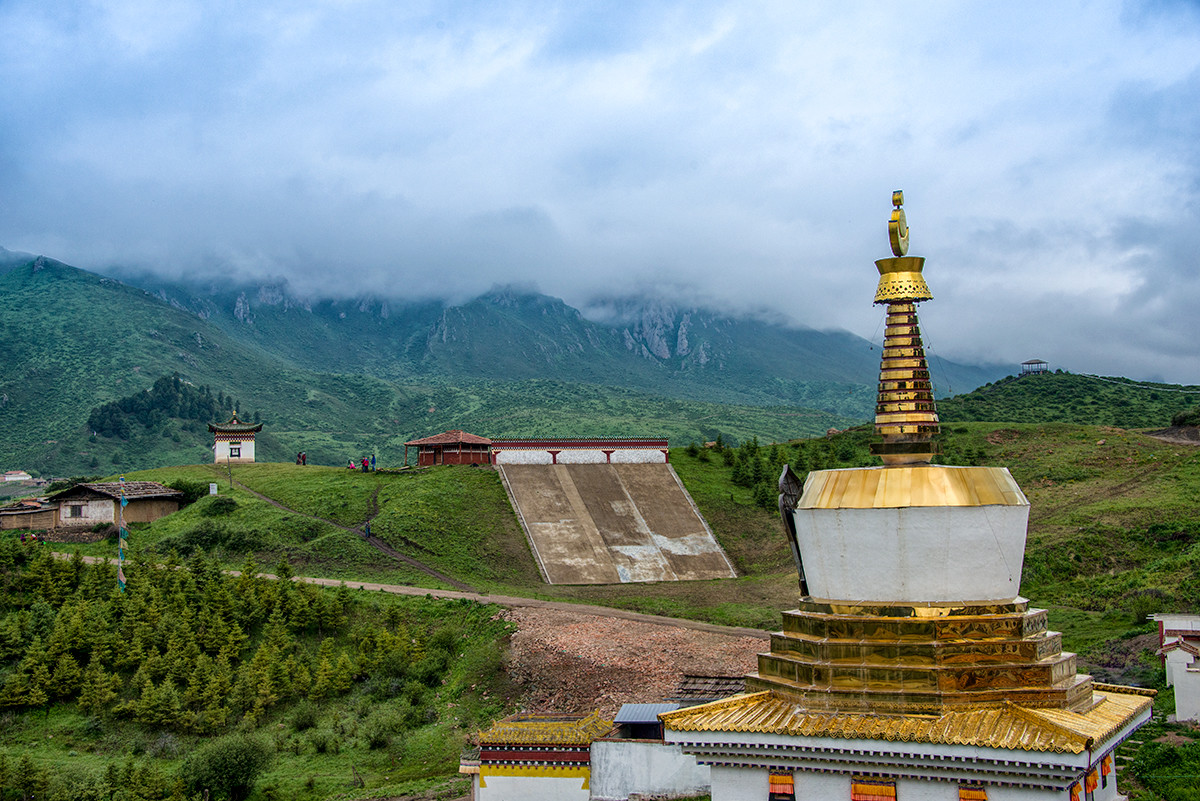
x=1106 y=765
x=1075 y=791
x=1092 y=781
x=872 y=790
x=782 y=786
x=971 y=792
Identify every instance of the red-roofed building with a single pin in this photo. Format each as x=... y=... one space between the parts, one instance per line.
x=451 y=447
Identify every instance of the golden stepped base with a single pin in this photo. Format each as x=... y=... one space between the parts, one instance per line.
x=926 y=658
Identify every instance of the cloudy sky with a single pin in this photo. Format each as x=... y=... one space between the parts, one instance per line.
x=736 y=154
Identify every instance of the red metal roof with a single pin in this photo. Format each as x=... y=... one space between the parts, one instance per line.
x=450 y=438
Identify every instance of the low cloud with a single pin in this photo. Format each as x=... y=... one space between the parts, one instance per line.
x=737 y=156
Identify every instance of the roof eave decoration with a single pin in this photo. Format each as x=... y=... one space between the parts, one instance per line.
x=235 y=424
x=1008 y=727
x=547 y=730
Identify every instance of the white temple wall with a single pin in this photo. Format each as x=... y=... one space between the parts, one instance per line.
x=741 y=784
x=621 y=767
x=579 y=456
x=1177 y=662
x=221 y=452
x=1187 y=694
x=530 y=788
x=919 y=554
x=750 y=784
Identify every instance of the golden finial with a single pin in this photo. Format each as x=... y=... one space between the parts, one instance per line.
x=905 y=413
x=898 y=225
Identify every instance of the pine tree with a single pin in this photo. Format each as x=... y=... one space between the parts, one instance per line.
x=97 y=690
x=66 y=678
x=322 y=684
x=343 y=675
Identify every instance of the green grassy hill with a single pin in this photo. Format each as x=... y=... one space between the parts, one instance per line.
x=1069 y=398
x=75 y=341
x=1114 y=535
x=1113 y=530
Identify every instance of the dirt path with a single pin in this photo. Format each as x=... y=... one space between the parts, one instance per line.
x=373 y=541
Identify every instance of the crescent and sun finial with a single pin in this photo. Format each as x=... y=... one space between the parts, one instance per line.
x=898 y=225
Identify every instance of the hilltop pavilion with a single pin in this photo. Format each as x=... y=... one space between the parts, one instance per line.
x=233 y=440
x=912 y=668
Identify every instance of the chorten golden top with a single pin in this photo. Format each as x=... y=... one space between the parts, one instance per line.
x=900 y=276
x=905 y=413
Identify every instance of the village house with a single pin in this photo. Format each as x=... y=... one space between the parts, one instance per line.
x=85 y=505
x=27 y=515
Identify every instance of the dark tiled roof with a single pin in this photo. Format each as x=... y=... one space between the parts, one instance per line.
x=235 y=424
x=451 y=438
x=112 y=489
x=26 y=505
x=702 y=689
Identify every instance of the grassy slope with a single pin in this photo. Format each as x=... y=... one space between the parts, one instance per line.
x=1098 y=542
x=1068 y=398
x=1099 y=554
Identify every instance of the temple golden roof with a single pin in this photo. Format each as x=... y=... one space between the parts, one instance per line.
x=1009 y=727
x=910 y=485
x=527 y=729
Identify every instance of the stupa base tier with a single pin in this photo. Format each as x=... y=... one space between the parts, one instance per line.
x=1073 y=693
x=883 y=654
x=824 y=620
x=915 y=676
x=920 y=657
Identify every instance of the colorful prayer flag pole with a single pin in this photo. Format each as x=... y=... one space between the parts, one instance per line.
x=121 y=536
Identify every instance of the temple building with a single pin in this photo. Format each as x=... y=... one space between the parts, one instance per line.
x=912 y=668
x=535 y=757
x=233 y=440
x=450 y=447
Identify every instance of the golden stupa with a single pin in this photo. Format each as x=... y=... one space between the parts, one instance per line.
x=910 y=572
x=911 y=667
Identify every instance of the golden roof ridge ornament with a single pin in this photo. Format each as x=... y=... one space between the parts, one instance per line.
x=905 y=413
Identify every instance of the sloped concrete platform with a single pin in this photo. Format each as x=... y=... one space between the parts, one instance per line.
x=611 y=523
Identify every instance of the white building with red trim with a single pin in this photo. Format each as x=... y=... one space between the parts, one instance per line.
x=611 y=450
x=233 y=440
x=1179 y=648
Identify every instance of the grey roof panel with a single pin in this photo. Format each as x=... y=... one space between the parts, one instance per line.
x=642 y=713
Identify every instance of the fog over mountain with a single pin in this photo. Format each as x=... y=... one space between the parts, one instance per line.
x=733 y=156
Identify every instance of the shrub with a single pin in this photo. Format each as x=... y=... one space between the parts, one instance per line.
x=218 y=506
x=192 y=490
x=226 y=767
x=305 y=716
x=1191 y=417
x=380 y=727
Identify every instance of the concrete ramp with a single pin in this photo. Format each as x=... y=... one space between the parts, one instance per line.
x=611 y=523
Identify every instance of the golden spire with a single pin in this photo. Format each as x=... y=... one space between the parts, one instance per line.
x=905 y=413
